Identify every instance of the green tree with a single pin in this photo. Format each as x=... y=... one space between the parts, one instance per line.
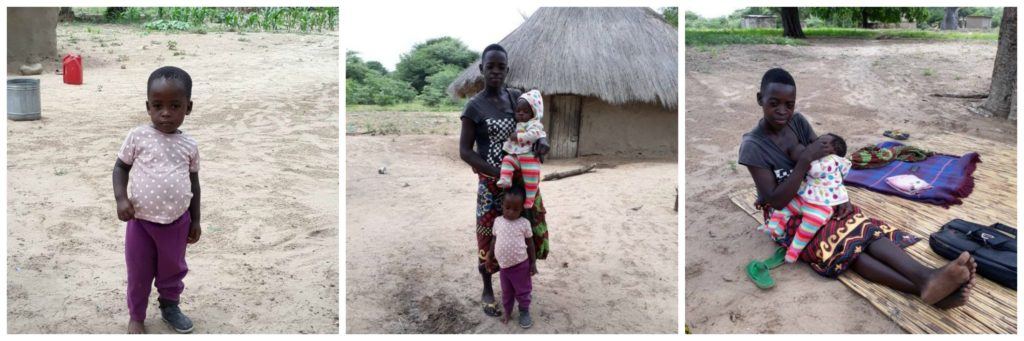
x=384 y=90
x=691 y=18
x=375 y=65
x=355 y=68
x=431 y=56
x=369 y=83
x=864 y=15
x=671 y=15
x=434 y=93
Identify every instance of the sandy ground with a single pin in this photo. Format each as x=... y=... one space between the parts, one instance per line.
x=411 y=247
x=855 y=88
x=265 y=117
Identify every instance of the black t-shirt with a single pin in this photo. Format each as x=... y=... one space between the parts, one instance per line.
x=756 y=150
x=493 y=125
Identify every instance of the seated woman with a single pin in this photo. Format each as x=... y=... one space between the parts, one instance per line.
x=848 y=240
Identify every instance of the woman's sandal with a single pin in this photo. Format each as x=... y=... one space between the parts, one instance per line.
x=758 y=272
x=896 y=134
x=491 y=309
x=776 y=259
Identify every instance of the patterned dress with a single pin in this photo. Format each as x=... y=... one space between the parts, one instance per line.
x=838 y=243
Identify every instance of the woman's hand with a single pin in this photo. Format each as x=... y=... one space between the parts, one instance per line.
x=842 y=211
x=541 y=148
x=489 y=265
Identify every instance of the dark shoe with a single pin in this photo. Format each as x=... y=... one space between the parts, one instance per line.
x=524 y=319
x=171 y=314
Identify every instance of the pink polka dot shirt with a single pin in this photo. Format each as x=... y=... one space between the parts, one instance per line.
x=158 y=186
x=510 y=240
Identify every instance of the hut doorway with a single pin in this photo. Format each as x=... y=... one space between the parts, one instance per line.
x=564 y=130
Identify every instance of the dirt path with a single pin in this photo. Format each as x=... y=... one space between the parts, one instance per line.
x=410 y=246
x=855 y=88
x=265 y=117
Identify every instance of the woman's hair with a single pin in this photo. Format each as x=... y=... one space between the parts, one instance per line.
x=776 y=75
x=838 y=144
x=492 y=47
x=170 y=72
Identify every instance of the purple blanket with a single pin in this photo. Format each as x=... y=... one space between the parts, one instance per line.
x=950 y=177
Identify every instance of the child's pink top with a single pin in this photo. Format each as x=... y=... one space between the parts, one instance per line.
x=159 y=187
x=823 y=184
x=510 y=240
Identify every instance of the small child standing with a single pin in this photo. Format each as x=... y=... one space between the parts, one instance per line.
x=162 y=206
x=822 y=188
x=519 y=147
x=512 y=246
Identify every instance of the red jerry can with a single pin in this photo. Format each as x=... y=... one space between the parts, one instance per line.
x=73 y=69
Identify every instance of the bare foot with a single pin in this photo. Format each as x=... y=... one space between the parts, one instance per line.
x=962 y=295
x=136 y=327
x=958 y=297
x=973 y=266
x=505 y=318
x=944 y=281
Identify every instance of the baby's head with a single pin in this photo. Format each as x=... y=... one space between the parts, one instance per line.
x=168 y=98
x=529 y=105
x=837 y=143
x=512 y=203
x=523 y=110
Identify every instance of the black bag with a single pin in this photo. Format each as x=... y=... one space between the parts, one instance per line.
x=994 y=248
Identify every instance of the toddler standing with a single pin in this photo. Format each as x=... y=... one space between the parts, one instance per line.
x=159 y=200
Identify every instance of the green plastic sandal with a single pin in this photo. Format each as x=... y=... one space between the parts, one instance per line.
x=759 y=274
x=776 y=259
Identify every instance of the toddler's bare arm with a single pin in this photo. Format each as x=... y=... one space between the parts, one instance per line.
x=125 y=210
x=195 y=229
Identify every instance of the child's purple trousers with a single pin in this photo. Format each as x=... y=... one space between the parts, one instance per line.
x=155 y=251
x=516 y=286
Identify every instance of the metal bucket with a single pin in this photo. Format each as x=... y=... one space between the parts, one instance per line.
x=23 y=99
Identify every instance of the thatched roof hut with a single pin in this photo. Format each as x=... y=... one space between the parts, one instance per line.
x=609 y=78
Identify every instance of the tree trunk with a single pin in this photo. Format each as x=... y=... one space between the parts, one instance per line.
x=32 y=37
x=950 y=21
x=1004 y=75
x=864 y=18
x=791 y=23
x=66 y=14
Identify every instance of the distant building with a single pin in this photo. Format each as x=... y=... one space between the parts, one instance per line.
x=983 y=22
x=758 y=21
x=900 y=25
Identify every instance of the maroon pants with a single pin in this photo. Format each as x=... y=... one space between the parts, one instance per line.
x=516 y=286
x=155 y=252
